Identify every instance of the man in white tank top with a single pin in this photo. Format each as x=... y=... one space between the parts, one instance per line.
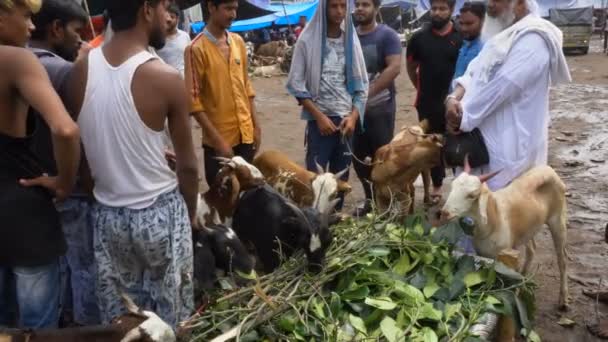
x=124 y=95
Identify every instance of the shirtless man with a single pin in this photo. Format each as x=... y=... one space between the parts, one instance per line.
x=31 y=239
x=123 y=96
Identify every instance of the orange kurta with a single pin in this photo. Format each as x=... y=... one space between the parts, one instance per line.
x=221 y=88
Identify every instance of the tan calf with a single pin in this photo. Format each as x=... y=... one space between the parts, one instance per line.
x=397 y=165
x=305 y=188
x=512 y=216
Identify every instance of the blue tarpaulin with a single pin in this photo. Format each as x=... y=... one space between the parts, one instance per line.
x=292 y=13
x=282 y=16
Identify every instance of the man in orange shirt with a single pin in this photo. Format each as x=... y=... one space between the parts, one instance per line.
x=222 y=98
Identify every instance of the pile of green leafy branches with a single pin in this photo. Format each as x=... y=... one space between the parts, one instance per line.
x=382 y=281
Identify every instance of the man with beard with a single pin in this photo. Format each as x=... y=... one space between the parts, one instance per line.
x=382 y=51
x=56 y=41
x=221 y=94
x=32 y=240
x=142 y=219
x=431 y=59
x=505 y=90
x=177 y=41
x=471 y=21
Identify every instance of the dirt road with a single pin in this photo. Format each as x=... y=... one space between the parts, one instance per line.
x=578 y=150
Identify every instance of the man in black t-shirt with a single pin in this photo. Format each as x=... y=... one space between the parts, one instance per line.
x=431 y=59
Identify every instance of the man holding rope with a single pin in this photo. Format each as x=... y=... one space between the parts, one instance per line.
x=328 y=77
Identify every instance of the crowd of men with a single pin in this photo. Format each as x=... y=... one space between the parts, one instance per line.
x=125 y=227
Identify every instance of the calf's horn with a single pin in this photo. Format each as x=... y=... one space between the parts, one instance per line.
x=223 y=159
x=487 y=177
x=341 y=173
x=319 y=168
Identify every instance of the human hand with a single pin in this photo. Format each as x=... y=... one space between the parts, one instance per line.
x=453 y=109
x=224 y=150
x=326 y=126
x=348 y=124
x=171 y=159
x=53 y=184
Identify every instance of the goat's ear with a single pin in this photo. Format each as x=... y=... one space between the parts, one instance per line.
x=344 y=187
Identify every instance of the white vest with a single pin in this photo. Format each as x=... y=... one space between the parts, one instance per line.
x=125 y=156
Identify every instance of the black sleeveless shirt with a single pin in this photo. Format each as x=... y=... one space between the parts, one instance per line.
x=30 y=229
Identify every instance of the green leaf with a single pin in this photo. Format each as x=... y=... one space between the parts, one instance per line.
x=374 y=318
x=335 y=304
x=474 y=278
x=357 y=323
x=410 y=295
x=428 y=258
x=225 y=284
x=317 y=307
x=430 y=289
x=287 y=323
x=419 y=280
x=429 y=335
x=382 y=303
x=379 y=251
x=251 y=336
x=566 y=322
x=531 y=335
x=346 y=281
x=429 y=312
x=507 y=272
x=492 y=300
x=390 y=330
x=251 y=276
x=356 y=294
x=456 y=288
x=450 y=233
x=403 y=265
x=451 y=310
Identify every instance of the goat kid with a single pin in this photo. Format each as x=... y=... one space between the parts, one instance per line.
x=218 y=248
x=305 y=188
x=397 y=165
x=512 y=216
x=277 y=227
x=135 y=326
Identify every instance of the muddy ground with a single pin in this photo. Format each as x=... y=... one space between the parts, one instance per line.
x=578 y=151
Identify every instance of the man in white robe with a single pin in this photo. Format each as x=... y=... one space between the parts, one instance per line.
x=505 y=90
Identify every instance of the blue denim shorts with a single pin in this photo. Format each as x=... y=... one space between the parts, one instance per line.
x=29 y=296
x=78 y=265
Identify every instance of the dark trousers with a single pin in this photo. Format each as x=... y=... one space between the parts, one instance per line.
x=379 y=127
x=212 y=166
x=605 y=40
x=329 y=150
x=436 y=125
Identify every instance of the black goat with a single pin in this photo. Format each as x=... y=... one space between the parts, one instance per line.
x=272 y=223
x=218 y=247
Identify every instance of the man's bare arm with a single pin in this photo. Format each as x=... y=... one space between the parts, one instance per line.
x=388 y=75
x=212 y=134
x=181 y=137
x=257 y=129
x=35 y=87
x=412 y=71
